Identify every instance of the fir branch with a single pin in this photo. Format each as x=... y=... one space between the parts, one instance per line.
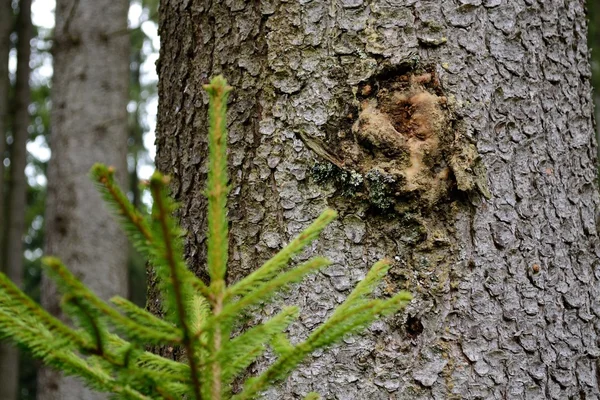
x=42 y=344
x=199 y=317
x=167 y=376
x=181 y=290
x=88 y=319
x=272 y=267
x=96 y=378
x=14 y=299
x=353 y=314
x=134 y=223
x=163 y=367
x=217 y=188
x=30 y=334
x=112 y=194
x=312 y=396
x=198 y=285
x=366 y=286
x=281 y=344
x=343 y=323
x=150 y=374
x=143 y=317
x=218 y=226
x=202 y=313
x=245 y=348
x=266 y=290
x=68 y=283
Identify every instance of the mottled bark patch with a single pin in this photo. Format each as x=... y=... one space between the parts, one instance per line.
x=405 y=148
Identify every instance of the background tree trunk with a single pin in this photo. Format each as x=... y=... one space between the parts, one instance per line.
x=507 y=290
x=6 y=25
x=16 y=198
x=89 y=124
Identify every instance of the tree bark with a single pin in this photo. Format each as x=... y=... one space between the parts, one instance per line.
x=596 y=120
x=16 y=196
x=89 y=125
x=507 y=288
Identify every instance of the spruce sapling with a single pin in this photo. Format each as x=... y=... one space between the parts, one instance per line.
x=106 y=348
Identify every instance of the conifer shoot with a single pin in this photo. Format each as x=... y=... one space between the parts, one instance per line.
x=106 y=346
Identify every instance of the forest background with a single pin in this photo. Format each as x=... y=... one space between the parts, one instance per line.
x=141 y=108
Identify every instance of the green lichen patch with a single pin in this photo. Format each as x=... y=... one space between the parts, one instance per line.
x=380 y=187
x=348 y=182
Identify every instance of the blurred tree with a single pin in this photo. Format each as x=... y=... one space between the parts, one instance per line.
x=89 y=124
x=16 y=195
x=34 y=238
x=6 y=26
x=140 y=93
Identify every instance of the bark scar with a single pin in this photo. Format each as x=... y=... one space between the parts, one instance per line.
x=407 y=143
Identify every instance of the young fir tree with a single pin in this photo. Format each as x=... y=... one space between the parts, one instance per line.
x=106 y=349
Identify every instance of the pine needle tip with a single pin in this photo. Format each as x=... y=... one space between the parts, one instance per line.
x=51 y=261
x=218 y=86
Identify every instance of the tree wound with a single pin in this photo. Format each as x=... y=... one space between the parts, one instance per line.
x=408 y=144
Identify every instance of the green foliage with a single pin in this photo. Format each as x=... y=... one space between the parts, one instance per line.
x=106 y=348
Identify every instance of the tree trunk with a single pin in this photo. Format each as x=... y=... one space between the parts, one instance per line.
x=6 y=25
x=372 y=108
x=596 y=122
x=5 y=30
x=16 y=197
x=89 y=124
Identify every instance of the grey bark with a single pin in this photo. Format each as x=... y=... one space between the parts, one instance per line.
x=597 y=119
x=507 y=289
x=16 y=197
x=89 y=124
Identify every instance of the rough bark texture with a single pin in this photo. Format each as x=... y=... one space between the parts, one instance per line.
x=597 y=118
x=89 y=124
x=507 y=289
x=16 y=196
